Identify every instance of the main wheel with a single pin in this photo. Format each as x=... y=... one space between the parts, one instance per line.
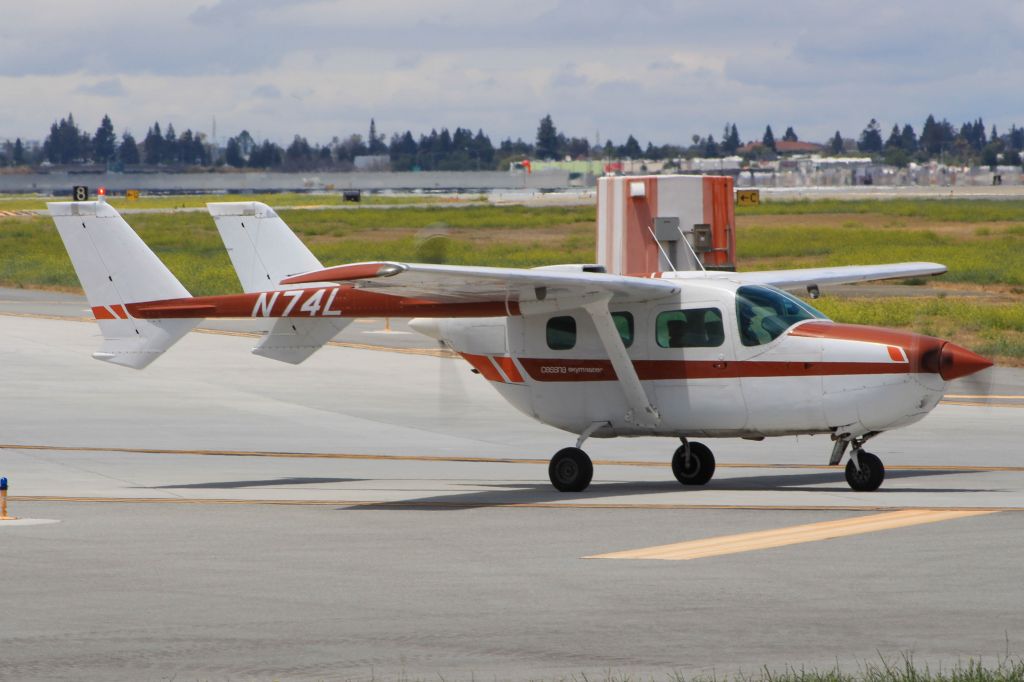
x=570 y=470
x=871 y=473
x=698 y=468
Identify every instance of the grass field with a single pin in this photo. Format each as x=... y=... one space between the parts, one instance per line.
x=989 y=255
x=31 y=253
x=980 y=305
x=937 y=210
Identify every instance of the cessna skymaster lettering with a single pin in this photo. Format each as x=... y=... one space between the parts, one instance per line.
x=679 y=354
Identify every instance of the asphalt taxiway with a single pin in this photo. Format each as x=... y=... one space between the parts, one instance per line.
x=382 y=513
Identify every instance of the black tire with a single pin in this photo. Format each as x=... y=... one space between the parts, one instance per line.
x=870 y=476
x=570 y=470
x=699 y=469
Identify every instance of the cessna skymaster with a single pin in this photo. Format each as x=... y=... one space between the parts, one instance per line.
x=677 y=354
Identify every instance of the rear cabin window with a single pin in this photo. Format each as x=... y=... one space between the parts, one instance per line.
x=764 y=313
x=561 y=333
x=624 y=323
x=694 y=328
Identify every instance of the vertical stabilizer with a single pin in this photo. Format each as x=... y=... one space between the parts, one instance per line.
x=262 y=248
x=116 y=268
x=263 y=251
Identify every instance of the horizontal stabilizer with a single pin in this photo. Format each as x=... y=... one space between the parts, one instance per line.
x=136 y=343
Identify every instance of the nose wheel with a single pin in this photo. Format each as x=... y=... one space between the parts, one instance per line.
x=570 y=470
x=864 y=471
x=693 y=464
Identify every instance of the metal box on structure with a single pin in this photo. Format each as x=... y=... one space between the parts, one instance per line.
x=644 y=220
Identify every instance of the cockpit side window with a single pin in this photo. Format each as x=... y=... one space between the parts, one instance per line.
x=764 y=313
x=693 y=328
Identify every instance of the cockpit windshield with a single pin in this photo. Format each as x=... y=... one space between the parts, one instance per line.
x=764 y=313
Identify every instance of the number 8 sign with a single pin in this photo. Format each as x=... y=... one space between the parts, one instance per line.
x=80 y=193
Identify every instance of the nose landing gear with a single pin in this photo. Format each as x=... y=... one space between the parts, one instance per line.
x=864 y=471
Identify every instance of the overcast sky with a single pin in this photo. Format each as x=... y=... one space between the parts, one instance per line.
x=659 y=69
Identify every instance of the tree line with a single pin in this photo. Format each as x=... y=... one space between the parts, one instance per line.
x=66 y=144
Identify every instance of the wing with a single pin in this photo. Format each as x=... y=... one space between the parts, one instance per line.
x=465 y=284
x=536 y=291
x=838 y=275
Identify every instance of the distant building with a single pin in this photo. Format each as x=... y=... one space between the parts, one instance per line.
x=375 y=163
x=797 y=147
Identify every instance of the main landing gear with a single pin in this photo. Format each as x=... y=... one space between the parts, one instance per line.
x=693 y=463
x=571 y=470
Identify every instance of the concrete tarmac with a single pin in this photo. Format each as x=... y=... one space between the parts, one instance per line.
x=374 y=514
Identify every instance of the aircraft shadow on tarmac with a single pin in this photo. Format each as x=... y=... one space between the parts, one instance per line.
x=541 y=493
x=227 y=485
x=795 y=482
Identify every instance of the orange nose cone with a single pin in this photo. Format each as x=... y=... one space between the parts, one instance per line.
x=956 y=362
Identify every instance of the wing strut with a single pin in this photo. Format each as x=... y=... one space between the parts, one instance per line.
x=641 y=411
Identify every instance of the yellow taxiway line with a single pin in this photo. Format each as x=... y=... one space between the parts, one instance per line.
x=959 y=396
x=781 y=537
x=957 y=403
x=477 y=460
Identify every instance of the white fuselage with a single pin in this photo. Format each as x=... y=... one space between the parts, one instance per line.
x=706 y=382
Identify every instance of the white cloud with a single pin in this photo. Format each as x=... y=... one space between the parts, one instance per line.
x=659 y=69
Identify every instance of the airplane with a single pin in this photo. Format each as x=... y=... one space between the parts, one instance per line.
x=680 y=354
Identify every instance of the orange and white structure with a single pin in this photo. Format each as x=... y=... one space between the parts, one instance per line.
x=664 y=223
x=685 y=352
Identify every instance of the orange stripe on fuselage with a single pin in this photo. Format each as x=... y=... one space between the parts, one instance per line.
x=483 y=364
x=541 y=369
x=508 y=366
